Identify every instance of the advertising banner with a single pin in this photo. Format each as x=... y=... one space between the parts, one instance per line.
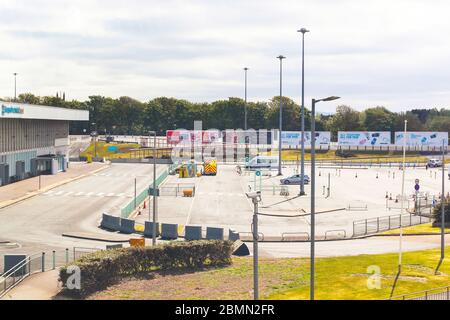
x=178 y=136
x=364 y=138
x=419 y=139
x=292 y=139
x=193 y=136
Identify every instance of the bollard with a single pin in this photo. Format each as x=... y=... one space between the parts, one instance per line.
x=356 y=175
x=54 y=259
x=377 y=175
x=67 y=255
x=43 y=262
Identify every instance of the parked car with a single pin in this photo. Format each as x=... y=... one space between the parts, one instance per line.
x=295 y=179
x=434 y=163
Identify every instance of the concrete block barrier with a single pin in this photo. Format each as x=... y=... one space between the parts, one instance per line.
x=233 y=235
x=193 y=233
x=127 y=226
x=214 y=233
x=110 y=222
x=148 y=230
x=169 y=231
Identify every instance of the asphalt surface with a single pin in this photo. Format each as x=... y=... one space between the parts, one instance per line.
x=37 y=224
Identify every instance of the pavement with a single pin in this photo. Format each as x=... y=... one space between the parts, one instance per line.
x=37 y=224
x=25 y=189
x=39 y=286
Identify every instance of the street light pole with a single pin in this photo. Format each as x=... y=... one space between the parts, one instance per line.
x=153 y=188
x=245 y=106
x=313 y=192
x=280 y=57
x=15 y=86
x=302 y=142
x=400 y=245
x=443 y=203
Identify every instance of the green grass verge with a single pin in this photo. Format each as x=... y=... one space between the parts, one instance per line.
x=288 y=278
x=359 y=156
x=102 y=150
x=418 y=229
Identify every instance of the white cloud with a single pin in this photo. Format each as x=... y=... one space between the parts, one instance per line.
x=368 y=52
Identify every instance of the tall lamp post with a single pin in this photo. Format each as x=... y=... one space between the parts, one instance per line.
x=245 y=97
x=154 y=191
x=15 y=86
x=313 y=186
x=280 y=57
x=245 y=116
x=302 y=142
x=443 y=204
x=94 y=124
x=400 y=244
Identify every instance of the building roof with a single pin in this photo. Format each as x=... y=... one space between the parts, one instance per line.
x=12 y=110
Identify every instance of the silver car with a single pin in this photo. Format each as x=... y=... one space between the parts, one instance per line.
x=295 y=179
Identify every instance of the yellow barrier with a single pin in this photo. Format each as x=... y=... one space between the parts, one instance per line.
x=188 y=192
x=140 y=242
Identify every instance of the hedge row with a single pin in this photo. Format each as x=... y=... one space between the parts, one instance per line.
x=102 y=268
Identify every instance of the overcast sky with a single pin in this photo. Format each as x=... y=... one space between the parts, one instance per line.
x=391 y=53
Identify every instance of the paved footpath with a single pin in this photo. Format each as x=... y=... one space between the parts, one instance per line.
x=39 y=286
x=18 y=191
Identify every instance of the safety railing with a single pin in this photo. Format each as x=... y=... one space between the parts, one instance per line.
x=385 y=223
x=176 y=189
x=335 y=234
x=290 y=236
x=442 y=293
x=36 y=263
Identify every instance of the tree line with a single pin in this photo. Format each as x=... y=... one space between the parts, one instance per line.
x=127 y=116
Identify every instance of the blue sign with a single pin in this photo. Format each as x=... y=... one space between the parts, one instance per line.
x=12 y=110
x=258 y=173
x=417 y=187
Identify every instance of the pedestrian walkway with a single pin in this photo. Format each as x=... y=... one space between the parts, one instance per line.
x=27 y=188
x=62 y=193
x=39 y=286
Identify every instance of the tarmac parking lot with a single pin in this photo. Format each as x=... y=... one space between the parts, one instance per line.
x=355 y=194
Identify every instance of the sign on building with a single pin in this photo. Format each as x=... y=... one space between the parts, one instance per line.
x=364 y=138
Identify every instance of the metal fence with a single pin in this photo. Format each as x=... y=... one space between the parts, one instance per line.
x=385 y=223
x=442 y=293
x=39 y=262
x=133 y=204
x=176 y=189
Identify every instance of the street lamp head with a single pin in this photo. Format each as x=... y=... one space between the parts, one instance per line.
x=245 y=68
x=330 y=98
x=281 y=57
x=303 y=30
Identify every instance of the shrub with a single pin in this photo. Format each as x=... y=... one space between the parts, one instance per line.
x=103 y=268
x=437 y=212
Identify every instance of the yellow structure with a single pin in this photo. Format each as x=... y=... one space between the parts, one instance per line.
x=210 y=167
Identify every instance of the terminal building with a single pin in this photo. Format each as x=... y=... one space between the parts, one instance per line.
x=34 y=139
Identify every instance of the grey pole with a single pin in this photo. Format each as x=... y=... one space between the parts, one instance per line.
x=255 y=250
x=245 y=106
x=153 y=189
x=313 y=194
x=313 y=190
x=302 y=142
x=15 y=86
x=281 y=113
x=443 y=203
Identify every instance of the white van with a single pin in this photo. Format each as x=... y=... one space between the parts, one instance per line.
x=262 y=162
